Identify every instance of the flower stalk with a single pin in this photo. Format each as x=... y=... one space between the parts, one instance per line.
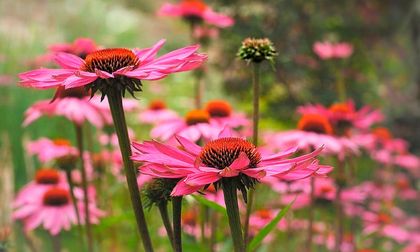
x=311 y=216
x=163 y=210
x=80 y=146
x=74 y=202
x=176 y=221
x=118 y=116
x=339 y=205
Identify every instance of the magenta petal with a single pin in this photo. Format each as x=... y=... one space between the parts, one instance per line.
x=148 y=54
x=241 y=162
x=183 y=189
x=189 y=146
x=103 y=74
x=201 y=179
x=67 y=60
x=75 y=81
x=258 y=174
x=228 y=172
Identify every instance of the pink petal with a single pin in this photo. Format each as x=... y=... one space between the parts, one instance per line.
x=69 y=61
x=241 y=162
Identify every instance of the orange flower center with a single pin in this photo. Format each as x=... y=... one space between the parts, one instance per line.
x=157 y=105
x=340 y=108
x=326 y=189
x=47 y=176
x=197 y=116
x=264 y=214
x=196 y=5
x=221 y=153
x=218 y=108
x=110 y=60
x=211 y=189
x=382 y=133
x=315 y=123
x=384 y=218
x=189 y=218
x=56 y=197
x=61 y=142
x=402 y=184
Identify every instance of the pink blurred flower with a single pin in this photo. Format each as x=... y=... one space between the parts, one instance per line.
x=328 y=50
x=223 y=157
x=196 y=10
x=47 y=149
x=54 y=211
x=132 y=65
x=196 y=125
x=204 y=33
x=384 y=224
x=222 y=114
x=156 y=112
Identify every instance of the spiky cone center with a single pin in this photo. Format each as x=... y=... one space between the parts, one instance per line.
x=382 y=133
x=221 y=153
x=110 y=60
x=61 y=142
x=197 y=116
x=47 y=176
x=315 y=123
x=56 y=197
x=340 y=108
x=189 y=217
x=196 y=5
x=157 y=105
x=218 y=108
x=257 y=50
x=384 y=218
x=264 y=214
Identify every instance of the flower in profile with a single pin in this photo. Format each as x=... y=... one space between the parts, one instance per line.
x=156 y=112
x=118 y=69
x=226 y=158
x=329 y=50
x=54 y=211
x=312 y=131
x=195 y=12
x=257 y=50
x=195 y=126
x=48 y=150
x=221 y=113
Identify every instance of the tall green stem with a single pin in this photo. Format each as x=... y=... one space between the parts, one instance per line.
x=79 y=139
x=339 y=205
x=341 y=86
x=255 y=123
x=231 y=201
x=56 y=243
x=118 y=116
x=176 y=221
x=311 y=217
x=163 y=209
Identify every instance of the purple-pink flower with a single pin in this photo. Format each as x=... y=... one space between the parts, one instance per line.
x=329 y=50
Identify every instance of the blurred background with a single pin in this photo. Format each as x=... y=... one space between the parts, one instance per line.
x=382 y=72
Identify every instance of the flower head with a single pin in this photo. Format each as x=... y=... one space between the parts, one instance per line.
x=116 y=69
x=328 y=50
x=257 y=50
x=47 y=149
x=196 y=11
x=226 y=157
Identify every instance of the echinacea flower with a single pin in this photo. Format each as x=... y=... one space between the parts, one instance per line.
x=328 y=50
x=156 y=112
x=196 y=11
x=46 y=149
x=313 y=130
x=195 y=126
x=221 y=113
x=54 y=211
x=225 y=157
x=257 y=50
x=113 y=68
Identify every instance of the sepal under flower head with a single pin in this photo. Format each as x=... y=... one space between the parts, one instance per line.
x=257 y=50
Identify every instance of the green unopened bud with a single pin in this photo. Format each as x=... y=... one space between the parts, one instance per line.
x=67 y=163
x=158 y=191
x=257 y=50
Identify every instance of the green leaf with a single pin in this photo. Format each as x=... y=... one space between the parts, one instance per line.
x=209 y=203
x=267 y=229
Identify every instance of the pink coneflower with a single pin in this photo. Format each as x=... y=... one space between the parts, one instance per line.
x=54 y=211
x=156 y=112
x=384 y=224
x=195 y=126
x=313 y=131
x=328 y=50
x=221 y=113
x=196 y=11
x=48 y=150
x=125 y=67
x=222 y=158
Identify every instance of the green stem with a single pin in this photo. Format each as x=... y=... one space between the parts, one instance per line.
x=255 y=123
x=176 y=221
x=311 y=217
x=339 y=206
x=56 y=243
x=74 y=201
x=79 y=138
x=163 y=209
x=117 y=111
x=231 y=201
x=341 y=87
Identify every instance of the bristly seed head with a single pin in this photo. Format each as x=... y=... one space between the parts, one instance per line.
x=315 y=123
x=221 y=153
x=47 y=176
x=218 y=108
x=157 y=105
x=56 y=197
x=257 y=50
x=110 y=60
x=61 y=142
x=158 y=191
x=197 y=116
